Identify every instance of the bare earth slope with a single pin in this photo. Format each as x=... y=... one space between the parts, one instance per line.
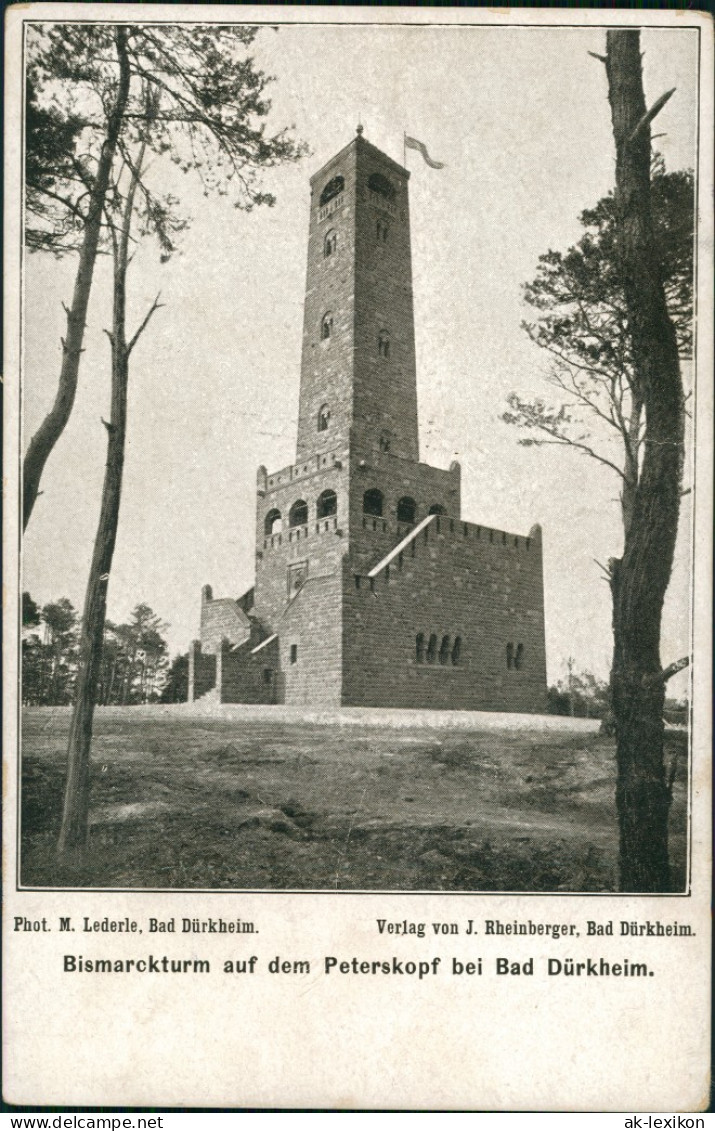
x=391 y=801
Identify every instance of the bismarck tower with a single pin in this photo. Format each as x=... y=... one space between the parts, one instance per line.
x=370 y=588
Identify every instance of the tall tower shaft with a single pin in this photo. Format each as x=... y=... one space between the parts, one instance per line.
x=358 y=379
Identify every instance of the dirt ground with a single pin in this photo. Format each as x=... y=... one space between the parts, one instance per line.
x=191 y=802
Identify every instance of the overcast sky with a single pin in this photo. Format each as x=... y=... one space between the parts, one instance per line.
x=521 y=120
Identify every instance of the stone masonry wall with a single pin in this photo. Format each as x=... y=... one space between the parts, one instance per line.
x=202 y=672
x=311 y=645
x=249 y=678
x=483 y=586
x=221 y=619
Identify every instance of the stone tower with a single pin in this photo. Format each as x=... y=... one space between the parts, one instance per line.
x=370 y=589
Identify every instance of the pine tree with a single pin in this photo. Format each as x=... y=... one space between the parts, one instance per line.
x=195 y=97
x=582 y=324
x=101 y=84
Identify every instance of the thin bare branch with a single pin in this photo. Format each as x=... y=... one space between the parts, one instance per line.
x=667 y=673
x=565 y=440
x=156 y=305
x=650 y=114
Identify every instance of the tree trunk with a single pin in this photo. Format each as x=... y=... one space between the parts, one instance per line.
x=75 y=823
x=53 y=425
x=630 y=467
x=639 y=580
x=110 y=689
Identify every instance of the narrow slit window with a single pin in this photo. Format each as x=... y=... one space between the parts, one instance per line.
x=456 y=649
x=326 y=327
x=294 y=653
x=510 y=656
x=519 y=657
x=432 y=649
x=444 y=651
x=420 y=648
x=323 y=418
x=383 y=344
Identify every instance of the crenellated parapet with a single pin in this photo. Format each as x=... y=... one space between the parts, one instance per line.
x=295 y=472
x=475 y=545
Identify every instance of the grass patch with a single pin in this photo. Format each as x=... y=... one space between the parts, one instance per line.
x=182 y=802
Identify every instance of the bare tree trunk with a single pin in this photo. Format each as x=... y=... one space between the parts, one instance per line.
x=639 y=580
x=53 y=425
x=128 y=671
x=75 y=825
x=110 y=689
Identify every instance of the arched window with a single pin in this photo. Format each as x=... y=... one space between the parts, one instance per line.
x=273 y=523
x=332 y=189
x=436 y=508
x=382 y=231
x=510 y=656
x=420 y=648
x=326 y=326
x=323 y=418
x=432 y=649
x=456 y=649
x=519 y=657
x=330 y=243
x=444 y=651
x=406 y=509
x=379 y=184
x=372 y=502
x=383 y=343
x=327 y=504
x=298 y=514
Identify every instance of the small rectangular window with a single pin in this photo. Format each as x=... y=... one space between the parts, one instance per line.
x=294 y=653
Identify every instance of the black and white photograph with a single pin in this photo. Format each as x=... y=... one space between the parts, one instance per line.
x=359 y=446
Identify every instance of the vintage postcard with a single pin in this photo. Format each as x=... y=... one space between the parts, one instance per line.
x=358 y=551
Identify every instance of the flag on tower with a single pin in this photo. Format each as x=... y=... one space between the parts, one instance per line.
x=412 y=143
